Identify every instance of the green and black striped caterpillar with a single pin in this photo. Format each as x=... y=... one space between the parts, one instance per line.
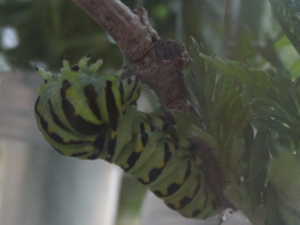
x=86 y=115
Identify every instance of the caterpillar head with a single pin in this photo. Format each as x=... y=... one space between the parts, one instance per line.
x=76 y=110
x=132 y=90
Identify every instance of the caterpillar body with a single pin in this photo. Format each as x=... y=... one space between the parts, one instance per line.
x=89 y=116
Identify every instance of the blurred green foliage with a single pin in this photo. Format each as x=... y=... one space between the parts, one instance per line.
x=251 y=119
x=51 y=30
x=287 y=13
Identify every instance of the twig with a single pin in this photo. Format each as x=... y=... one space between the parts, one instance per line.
x=157 y=62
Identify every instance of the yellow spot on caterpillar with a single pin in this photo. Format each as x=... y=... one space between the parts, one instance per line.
x=147 y=127
x=180 y=181
x=76 y=113
x=164 y=192
x=190 y=194
x=49 y=130
x=139 y=148
x=123 y=107
x=171 y=146
x=126 y=166
x=66 y=140
x=39 y=108
x=161 y=164
x=146 y=179
x=112 y=135
x=177 y=205
x=69 y=92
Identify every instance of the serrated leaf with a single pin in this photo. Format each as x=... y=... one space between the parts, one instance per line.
x=196 y=79
x=230 y=114
x=270 y=108
x=209 y=81
x=222 y=88
x=218 y=116
x=259 y=158
x=218 y=63
x=275 y=125
x=291 y=104
x=271 y=119
x=232 y=158
x=248 y=136
x=240 y=118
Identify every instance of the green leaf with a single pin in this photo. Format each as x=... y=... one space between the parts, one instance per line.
x=220 y=120
x=269 y=108
x=232 y=156
x=284 y=176
x=238 y=111
x=209 y=82
x=222 y=88
x=287 y=14
x=258 y=164
x=248 y=114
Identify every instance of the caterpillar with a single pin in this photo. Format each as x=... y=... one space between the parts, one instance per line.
x=89 y=116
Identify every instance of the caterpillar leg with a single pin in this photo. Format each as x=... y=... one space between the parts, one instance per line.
x=167 y=169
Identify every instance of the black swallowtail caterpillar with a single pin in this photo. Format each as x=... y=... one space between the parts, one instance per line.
x=89 y=116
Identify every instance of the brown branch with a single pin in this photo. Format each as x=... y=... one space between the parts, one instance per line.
x=159 y=63
x=132 y=32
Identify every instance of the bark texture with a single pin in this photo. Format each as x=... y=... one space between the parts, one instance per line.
x=156 y=61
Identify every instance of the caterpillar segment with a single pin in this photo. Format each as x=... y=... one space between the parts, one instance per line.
x=87 y=115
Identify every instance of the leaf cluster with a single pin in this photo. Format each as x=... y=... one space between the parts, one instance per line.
x=249 y=117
